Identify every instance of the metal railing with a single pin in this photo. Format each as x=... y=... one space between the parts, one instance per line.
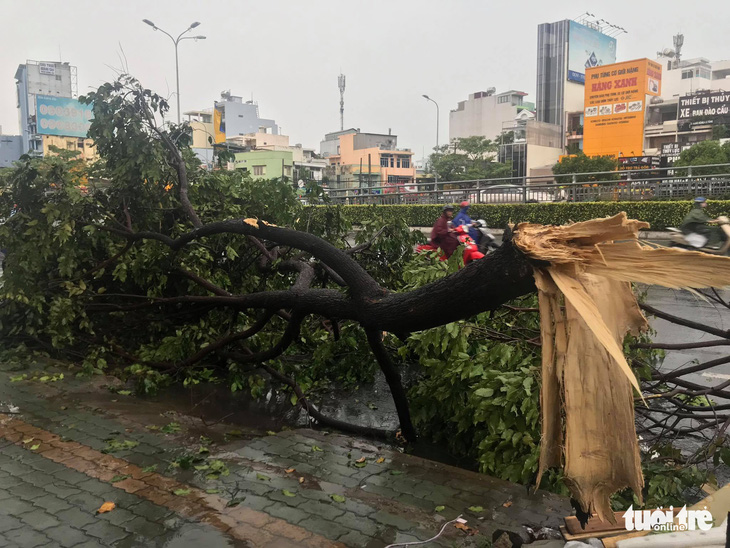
x=650 y=184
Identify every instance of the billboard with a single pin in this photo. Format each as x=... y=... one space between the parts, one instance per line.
x=219 y=123
x=588 y=48
x=62 y=116
x=708 y=107
x=615 y=101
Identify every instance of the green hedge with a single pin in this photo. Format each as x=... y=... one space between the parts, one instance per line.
x=659 y=215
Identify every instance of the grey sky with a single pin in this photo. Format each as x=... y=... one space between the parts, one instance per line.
x=287 y=53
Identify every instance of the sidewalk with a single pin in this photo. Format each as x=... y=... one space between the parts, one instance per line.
x=69 y=445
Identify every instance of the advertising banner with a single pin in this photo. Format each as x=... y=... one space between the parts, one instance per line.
x=49 y=69
x=615 y=100
x=707 y=107
x=588 y=48
x=219 y=123
x=62 y=116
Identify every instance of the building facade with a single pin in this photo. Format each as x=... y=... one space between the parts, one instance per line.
x=233 y=118
x=201 y=123
x=11 y=149
x=364 y=160
x=40 y=78
x=672 y=122
x=565 y=49
x=485 y=112
x=266 y=164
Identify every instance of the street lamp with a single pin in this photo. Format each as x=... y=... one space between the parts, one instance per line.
x=437 y=117
x=176 y=41
x=437 y=128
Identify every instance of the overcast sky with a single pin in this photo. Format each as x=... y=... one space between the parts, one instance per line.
x=287 y=54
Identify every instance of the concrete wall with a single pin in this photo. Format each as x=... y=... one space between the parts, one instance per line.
x=540 y=157
x=11 y=148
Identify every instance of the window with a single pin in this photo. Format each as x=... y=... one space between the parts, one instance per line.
x=398 y=162
x=58 y=77
x=704 y=73
x=391 y=161
x=259 y=170
x=405 y=163
x=70 y=145
x=287 y=171
x=80 y=144
x=503 y=99
x=384 y=161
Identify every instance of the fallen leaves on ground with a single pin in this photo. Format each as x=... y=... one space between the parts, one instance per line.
x=337 y=498
x=507 y=504
x=476 y=509
x=181 y=492
x=381 y=460
x=106 y=507
x=440 y=508
x=119 y=478
x=301 y=480
x=395 y=472
x=263 y=477
x=317 y=449
x=288 y=493
x=361 y=459
x=290 y=470
x=34 y=447
x=462 y=526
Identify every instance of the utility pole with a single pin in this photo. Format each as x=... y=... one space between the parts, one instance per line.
x=341 y=85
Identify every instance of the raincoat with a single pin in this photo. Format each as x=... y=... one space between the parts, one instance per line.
x=462 y=218
x=441 y=237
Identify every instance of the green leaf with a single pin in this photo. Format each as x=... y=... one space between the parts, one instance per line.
x=395 y=472
x=337 y=498
x=316 y=449
x=151 y=468
x=360 y=464
x=476 y=509
x=118 y=478
x=181 y=492
x=35 y=447
x=263 y=477
x=440 y=508
x=484 y=392
x=212 y=491
x=287 y=493
x=124 y=392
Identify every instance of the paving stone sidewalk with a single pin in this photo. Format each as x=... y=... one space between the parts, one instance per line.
x=66 y=450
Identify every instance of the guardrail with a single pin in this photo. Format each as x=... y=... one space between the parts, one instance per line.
x=652 y=184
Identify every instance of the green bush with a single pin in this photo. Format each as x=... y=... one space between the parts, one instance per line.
x=658 y=214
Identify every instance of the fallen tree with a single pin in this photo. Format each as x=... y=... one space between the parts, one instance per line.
x=197 y=259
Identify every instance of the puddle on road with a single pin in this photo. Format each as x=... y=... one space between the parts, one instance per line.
x=195 y=536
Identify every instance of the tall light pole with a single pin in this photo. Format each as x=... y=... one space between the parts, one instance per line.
x=437 y=117
x=437 y=126
x=176 y=41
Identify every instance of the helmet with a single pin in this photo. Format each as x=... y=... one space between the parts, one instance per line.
x=465 y=203
x=448 y=207
x=700 y=200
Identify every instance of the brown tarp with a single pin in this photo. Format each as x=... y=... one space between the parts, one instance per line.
x=586 y=309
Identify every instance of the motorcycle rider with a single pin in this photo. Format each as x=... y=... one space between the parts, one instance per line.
x=462 y=218
x=696 y=222
x=443 y=235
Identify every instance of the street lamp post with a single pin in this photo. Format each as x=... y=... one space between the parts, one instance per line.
x=176 y=41
x=437 y=128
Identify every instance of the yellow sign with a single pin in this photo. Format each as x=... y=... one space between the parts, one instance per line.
x=615 y=102
x=219 y=123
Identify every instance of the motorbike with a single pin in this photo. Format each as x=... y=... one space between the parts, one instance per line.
x=472 y=251
x=697 y=242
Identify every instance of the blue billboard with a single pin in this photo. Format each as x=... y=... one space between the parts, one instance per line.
x=588 y=48
x=62 y=116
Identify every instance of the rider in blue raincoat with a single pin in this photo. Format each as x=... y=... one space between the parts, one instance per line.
x=462 y=218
